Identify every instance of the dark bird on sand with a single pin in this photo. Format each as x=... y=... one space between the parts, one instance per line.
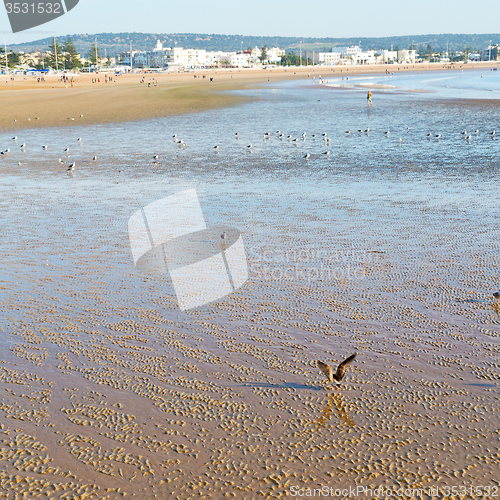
x=341 y=369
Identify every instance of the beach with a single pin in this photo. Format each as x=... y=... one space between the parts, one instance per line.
x=27 y=103
x=386 y=247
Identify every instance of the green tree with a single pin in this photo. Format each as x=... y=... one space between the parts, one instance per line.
x=263 y=55
x=92 y=54
x=290 y=59
x=71 y=58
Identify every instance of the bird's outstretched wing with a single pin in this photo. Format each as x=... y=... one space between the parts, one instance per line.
x=343 y=367
x=327 y=370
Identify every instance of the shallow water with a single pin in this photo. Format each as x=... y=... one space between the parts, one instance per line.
x=385 y=247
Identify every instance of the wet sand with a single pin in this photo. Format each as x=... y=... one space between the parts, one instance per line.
x=27 y=104
x=108 y=390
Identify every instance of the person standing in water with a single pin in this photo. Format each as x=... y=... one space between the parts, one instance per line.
x=369 y=98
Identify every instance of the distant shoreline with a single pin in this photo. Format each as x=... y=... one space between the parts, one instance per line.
x=28 y=104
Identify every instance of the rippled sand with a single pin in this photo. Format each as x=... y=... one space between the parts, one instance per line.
x=108 y=390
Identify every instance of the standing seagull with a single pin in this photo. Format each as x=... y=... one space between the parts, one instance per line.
x=223 y=235
x=71 y=167
x=492 y=133
x=341 y=369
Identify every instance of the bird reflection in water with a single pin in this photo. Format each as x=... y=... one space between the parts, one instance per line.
x=334 y=399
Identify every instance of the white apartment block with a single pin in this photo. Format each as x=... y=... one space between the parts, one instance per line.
x=179 y=58
x=354 y=55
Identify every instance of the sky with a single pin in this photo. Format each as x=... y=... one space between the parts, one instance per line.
x=311 y=18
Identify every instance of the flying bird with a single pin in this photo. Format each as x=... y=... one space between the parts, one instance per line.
x=341 y=369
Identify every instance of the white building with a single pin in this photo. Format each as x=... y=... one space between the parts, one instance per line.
x=241 y=60
x=274 y=55
x=179 y=58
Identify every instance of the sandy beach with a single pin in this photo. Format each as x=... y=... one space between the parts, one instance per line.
x=383 y=247
x=26 y=103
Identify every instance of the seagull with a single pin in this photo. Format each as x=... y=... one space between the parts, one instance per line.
x=314 y=135
x=79 y=139
x=249 y=146
x=216 y=147
x=174 y=136
x=71 y=167
x=94 y=158
x=468 y=137
x=387 y=133
x=360 y=131
x=341 y=369
x=476 y=131
x=347 y=131
x=14 y=138
x=60 y=161
x=66 y=150
x=44 y=147
x=492 y=133
x=19 y=163
x=223 y=235
x=464 y=133
x=326 y=153
x=327 y=139
x=429 y=134
x=81 y=116
x=497 y=296
x=155 y=157
x=237 y=133
x=304 y=135
x=307 y=156
x=295 y=140
x=367 y=129
x=324 y=135
x=278 y=131
x=438 y=136
x=23 y=145
x=400 y=140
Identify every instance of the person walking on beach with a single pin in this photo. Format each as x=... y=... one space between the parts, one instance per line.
x=369 y=98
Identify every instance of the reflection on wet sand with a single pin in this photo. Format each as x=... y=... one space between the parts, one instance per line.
x=326 y=413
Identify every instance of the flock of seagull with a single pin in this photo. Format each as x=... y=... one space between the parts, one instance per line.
x=71 y=166
x=267 y=135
